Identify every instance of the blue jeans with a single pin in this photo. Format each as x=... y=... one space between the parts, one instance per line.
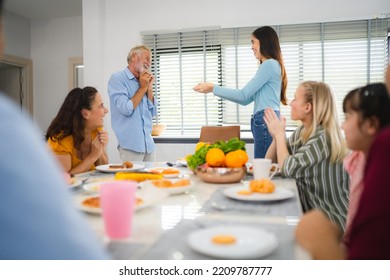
x=261 y=136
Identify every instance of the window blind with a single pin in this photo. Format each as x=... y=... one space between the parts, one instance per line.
x=343 y=54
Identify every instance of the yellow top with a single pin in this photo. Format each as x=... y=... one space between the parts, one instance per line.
x=65 y=147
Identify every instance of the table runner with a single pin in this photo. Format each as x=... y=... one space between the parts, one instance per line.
x=173 y=244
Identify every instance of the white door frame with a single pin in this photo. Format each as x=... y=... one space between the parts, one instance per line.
x=26 y=65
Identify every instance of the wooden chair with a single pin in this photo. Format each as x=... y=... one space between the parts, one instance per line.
x=211 y=134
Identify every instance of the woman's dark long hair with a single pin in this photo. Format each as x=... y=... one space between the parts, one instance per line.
x=270 y=48
x=69 y=120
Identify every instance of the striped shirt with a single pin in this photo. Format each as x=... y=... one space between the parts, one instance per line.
x=321 y=184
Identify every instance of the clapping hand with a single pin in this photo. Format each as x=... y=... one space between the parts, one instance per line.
x=275 y=124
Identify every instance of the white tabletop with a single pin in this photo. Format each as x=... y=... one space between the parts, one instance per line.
x=175 y=211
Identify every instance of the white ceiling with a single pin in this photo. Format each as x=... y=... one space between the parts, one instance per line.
x=42 y=9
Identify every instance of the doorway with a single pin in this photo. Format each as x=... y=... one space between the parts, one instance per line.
x=16 y=81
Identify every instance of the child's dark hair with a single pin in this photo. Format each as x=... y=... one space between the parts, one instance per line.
x=371 y=101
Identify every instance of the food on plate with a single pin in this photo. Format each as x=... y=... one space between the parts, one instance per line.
x=94 y=202
x=165 y=171
x=245 y=192
x=117 y=166
x=71 y=180
x=139 y=177
x=128 y=164
x=182 y=183
x=223 y=239
x=164 y=183
x=170 y=171
x=262 y=186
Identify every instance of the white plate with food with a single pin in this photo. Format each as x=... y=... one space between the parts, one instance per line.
x=74 y=182
x=243 y=193
x=233 y=242
x=93 y=185
x=166 y=172
x=118 y=167
x=174 y=186
x=145 y=197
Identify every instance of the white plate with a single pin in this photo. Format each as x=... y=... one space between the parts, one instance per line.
x=76 y=183
x=150 y=197
x=278 y=194
x=251 y=243
x=106 y=168
x=92 y=187
x=170 y=190
x=159 y=170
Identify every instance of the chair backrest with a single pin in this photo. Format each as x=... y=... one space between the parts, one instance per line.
x=212 y=134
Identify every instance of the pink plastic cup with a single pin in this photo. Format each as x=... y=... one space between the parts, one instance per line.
x=117 y=202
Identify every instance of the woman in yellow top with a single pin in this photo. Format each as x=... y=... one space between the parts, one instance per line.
x=75 y=135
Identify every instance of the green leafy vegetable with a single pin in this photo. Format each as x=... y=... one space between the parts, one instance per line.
x=199 y=157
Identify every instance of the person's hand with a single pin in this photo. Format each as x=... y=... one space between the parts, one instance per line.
x=151 y=81
x=319 y=236
x=276 y=126
x=144 y=79
x=97 y=147
x=103 y=138
x=204 y=87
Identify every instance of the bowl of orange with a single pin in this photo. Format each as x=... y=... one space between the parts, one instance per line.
x=221 y=175
x=223 y=167
x=219 y=162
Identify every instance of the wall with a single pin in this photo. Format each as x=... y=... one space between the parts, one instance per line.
x=53 y=42
x=112 y=27
x=109 y=28
x=17 y=35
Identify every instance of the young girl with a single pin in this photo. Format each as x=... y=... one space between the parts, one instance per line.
x=267 y=88
x=367 y=130
x=313 y=154
x=367 y=111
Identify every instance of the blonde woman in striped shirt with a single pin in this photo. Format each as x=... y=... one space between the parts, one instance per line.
x=314 y=153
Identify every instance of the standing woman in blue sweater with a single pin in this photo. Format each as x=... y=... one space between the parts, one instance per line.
x=267 y=88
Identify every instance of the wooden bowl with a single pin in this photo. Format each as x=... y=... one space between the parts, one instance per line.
x=157 y=129
x=221 y=175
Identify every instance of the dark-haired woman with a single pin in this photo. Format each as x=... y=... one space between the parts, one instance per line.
x=267 y=89
x=75 y=135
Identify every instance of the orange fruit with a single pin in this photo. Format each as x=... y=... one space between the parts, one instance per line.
x=236 y=158
x=215 y=157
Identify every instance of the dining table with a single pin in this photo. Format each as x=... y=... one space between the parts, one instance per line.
x=174 y=226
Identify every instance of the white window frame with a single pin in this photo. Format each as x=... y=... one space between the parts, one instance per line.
x=343 y=54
